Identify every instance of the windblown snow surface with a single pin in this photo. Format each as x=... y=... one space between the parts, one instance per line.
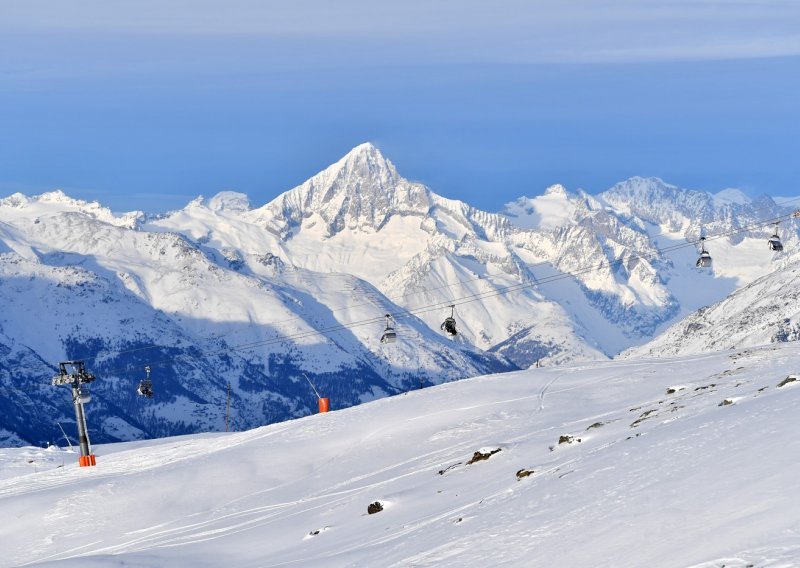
x=679 y=462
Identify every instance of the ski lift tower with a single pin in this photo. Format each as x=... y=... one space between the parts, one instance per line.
x=80 y=395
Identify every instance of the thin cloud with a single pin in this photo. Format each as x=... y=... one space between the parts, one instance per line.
x=510 y=31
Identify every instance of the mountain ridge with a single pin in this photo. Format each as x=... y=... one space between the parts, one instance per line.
x=224 y=292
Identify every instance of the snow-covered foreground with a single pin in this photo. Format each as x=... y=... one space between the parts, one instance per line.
x=650 y=478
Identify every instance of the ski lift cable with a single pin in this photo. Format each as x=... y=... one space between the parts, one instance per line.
x=253 y=345
x=758 y=224
x=300 y=318
x=349 y=306
x=462 y=300
x=468 y=299
x=564 y=275
x=478 y=278
x=405 y=314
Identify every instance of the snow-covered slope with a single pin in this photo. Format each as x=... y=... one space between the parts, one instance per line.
x=553 y=209
x=765 y=311
x=79 y=286
x=686 y=462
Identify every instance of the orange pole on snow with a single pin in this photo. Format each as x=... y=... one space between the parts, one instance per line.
x=324 y=403
x=86 y=461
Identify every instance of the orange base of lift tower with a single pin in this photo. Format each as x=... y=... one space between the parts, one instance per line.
x=85 y=461
x=324 y=405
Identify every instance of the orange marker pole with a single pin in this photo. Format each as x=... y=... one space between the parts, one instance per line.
x=324 y=403
x=87 y=461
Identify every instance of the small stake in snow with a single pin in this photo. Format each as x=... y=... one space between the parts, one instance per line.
x=65 y=436
x=228 y=407
x=324 y=403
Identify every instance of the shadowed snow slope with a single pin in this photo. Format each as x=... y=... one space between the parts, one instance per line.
x=657 y=463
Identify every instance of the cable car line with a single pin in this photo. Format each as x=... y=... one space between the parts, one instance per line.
x=453 y=302
x=760 y=224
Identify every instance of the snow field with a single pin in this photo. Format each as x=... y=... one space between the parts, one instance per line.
x=641 y=478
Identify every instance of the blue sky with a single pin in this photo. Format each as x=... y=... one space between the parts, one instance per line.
x=144 y=105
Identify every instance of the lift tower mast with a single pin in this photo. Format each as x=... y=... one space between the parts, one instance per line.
x=80 y=395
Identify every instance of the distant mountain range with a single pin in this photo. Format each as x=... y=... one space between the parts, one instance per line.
x=221 y=292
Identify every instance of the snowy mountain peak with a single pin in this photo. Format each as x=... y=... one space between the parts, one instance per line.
x=15 y=200
x=556 y=208
x=366 y=152
x=637 y=186
x=731 y=195
x=364 y=148
x=57 y=196
x=57 y=202
x=229 y=201
x=685 y=210
x=367 y=163
x=660 y=203
x=361 y=191
x=556 y=189
x=198 y=201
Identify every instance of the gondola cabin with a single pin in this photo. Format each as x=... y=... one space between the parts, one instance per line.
x=145 y=387
x=704 y=261
x=774 y=241
x=389 y=334
x=449 y=324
